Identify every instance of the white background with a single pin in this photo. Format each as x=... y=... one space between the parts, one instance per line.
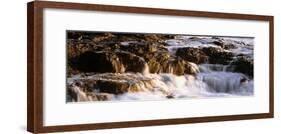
x=57 y=112
x=13 y=66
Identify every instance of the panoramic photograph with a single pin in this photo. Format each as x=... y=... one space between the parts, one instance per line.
x=116 y=66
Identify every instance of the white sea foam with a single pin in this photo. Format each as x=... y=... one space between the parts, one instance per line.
x=213 y=80
x=165 y=86
x=244 y=45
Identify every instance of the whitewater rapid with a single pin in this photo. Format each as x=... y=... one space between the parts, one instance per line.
x=212 y=80
x=205 y=84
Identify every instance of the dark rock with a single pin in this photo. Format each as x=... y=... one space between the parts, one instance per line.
x=73 y=35
x=98 y=38
x=243 y=80
x=230 y=46
x=192 y=54
x=156 y=37
x=213 y=55
x=121 y=86
x=163 y=57
x=115 y=62
x=132 y=62
x=176 y=67
x=75 y=48
x=191 y=68
x=139 y=48
x=179 y=67
x=158 y=61
x=100 y=62
x=154 y=66
x=217 y=55
x=219 y=43
x=170 y=96
x=78 y=35
x=244 y=65
x=101 y=86
x=71 y=94
x=78 y=93
x=194 y=38
x=225 y=45
x=99 y=96
x=143 y=37
x=113 y=87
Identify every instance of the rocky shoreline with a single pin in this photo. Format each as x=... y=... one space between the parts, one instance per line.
x=110 y=64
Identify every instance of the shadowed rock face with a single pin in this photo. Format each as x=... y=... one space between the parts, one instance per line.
x=211 y=55
x=218 y=55
x=244 y=65
x=119 y=53
x=179 y=67
x=195 y=55
x=103 y=53
x=224 y=45
x=115 y=62
x=103 y=66
x=104 y=86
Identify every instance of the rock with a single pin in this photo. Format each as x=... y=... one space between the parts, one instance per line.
x=78 y=35
x=99 y=96
x=170 y=96
x=219 y=43
x=71 y=95
x=132 y=62
x=102 y=86
x=218 y=55
x=244 y=65
x=230 y=46
x=176 y=67
x=123 y=86
x=163 y=57
x=154 y=66
x=180 y=67
x=115 y=62
x=97 y=38
x=113 y=87
x=109 y=46
x=74 y=35
x=75 y=48
x=153 y=38
x=192 y=54
x=100 y=62
x=139 y=48
x=194 y=38
x=224 y=45
x=157 y=62
x=157 y=37
x=77 y=93
x=191 y=68
x=149 y=37
x=213 y=55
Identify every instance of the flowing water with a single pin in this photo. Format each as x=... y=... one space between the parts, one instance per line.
x=213 y=80
x=216 y=78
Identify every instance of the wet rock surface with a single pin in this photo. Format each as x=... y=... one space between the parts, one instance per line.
x=105 y=62
x=195 y=55
x=218 y=55
x=244 y=65
x=102 y=53
x=105 y=86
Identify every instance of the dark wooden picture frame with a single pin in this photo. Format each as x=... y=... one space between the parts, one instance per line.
x=35 y=66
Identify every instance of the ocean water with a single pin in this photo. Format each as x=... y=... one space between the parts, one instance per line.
x=212 y=81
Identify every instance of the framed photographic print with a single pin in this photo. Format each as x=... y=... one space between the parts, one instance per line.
x=102 y=66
